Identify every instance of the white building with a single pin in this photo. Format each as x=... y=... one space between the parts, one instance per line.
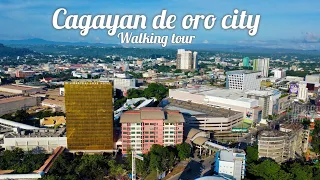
x=243 y=80
x=313 y=78
x=279 y=73
x=262 y=65
x=303 y=92
x=231 y=163
x=186 y=60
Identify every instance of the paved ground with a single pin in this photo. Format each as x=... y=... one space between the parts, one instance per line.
x=197 y=168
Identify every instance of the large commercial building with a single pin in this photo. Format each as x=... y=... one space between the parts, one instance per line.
x=268 y=100
x=303 y=92
x=262 y=65
x=89 y=113
x=230 y=163
x=12 y=104
x=313 y=78
x=147 y=126
x=20 y=89
x=284 y=144
x=186 y=60
x=24 y=74
x=229 y=99
x=243 y=80
x=205 y=117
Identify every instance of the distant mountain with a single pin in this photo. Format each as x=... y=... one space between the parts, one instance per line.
x=8 y=51
x=38 y=41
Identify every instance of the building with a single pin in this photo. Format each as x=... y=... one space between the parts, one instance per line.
x=268 y=100
x=230 y=163
x=313 y=78
x=283 y=144
x=89 y=112
x=20 y=89
x=229 y=99
x=12 y=104
x=204 y=117
x=53 y=121
x=121 y=83
x=56 y=104
x=279 y=73
x=37 y=140
x=303 y=92
x=186 y=60
x=262 y=65
x=24 y=74
x=243 y=80
x=150 y=125
x=246 y=62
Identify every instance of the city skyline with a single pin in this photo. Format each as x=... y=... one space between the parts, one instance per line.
x=283 y=24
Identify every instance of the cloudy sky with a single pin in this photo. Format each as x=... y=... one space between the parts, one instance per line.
x=284 y=23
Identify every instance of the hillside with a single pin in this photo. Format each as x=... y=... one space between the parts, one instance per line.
x=8 y=51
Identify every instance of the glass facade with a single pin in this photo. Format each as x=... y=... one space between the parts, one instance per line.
x=89 y=115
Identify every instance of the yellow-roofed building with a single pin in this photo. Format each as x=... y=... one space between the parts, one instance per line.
x=53 y=121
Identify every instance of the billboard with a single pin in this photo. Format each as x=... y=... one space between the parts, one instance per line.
x=294 y=88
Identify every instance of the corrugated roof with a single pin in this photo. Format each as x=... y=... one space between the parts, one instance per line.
x=173 y=118
x=159 y=115
x=130 y=118
x=193 y=132
x=200 y=141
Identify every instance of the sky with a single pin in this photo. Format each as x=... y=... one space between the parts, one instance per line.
x=284 y=23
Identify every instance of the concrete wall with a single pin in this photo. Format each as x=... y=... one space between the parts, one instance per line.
x=11 y=107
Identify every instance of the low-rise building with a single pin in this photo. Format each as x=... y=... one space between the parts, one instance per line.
x=283 y=144
x=243 y=80
x=53 y=121
x=38 y=140
x=230 y=163
x=12 y=104
x=20 y=89
x=147 y=126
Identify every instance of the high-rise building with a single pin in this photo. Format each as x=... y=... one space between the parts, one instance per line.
x=279 y=73
x=303 y=92
x=246 y=62
x=186 y=60
x=89 y=113
x=243 y=80
x=150 y=125
x=262 y=65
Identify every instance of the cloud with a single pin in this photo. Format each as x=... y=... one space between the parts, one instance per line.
x=311 y=37
x=205 y=42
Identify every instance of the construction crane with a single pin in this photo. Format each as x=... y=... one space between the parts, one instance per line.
x=134 y=156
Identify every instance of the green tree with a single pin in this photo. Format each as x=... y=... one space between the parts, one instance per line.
x=252 y=153
x=300 y=172
x=116 y=169
x=184 y=151
x=91 y=166
x=268 y=169
x=158 y=91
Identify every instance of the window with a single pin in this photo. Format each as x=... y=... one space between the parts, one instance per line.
x=138 y=132
x=146 y=140
x=151 y=136
x=151 y=140
x=171 y=132
x=179 y=132
x=166 y=123
x=151 y=132
x=133 y=128
x=146 y=123
x=152 y=124
x=124 y=128
x=133 y=132
x=146 y=132
x=146 y=136
x=124 y=133
x=139 y=124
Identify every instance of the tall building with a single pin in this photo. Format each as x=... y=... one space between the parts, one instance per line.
x=186 y=60
x=246 y=62
x=279 y=73
x=147 y=126
x=303 y=92
x=262 y=65
x=89 y=113
x=230 y=163
x=243 y=80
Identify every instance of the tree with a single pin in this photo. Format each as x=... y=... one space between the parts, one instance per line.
x=134 y=93
x=300 y=172
x=252 y=153
x=91 y=166
x=268 y=169
x=158 y=91
x=115 y=169
x=184 y=151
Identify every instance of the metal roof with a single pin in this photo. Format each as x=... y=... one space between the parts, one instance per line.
x=16 y=124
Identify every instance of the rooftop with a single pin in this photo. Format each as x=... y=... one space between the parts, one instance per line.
x=151 y=113
x=13 y=99
x=198 y=109
x=242 y=72
x=228 y=154
x=45 y=132
x=19 y=87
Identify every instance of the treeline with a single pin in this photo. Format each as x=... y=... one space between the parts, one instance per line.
x=21 y=162
x=97 y=166
x=13 y=52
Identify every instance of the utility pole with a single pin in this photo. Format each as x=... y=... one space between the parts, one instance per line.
x=134 y=156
